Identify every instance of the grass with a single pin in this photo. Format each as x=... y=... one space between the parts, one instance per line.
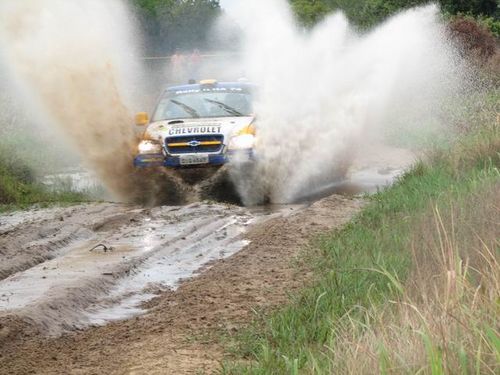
x=19 y=187
x=410 y=286
x=28 y=152
x=16 y=194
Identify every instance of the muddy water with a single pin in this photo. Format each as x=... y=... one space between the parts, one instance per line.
x=378 y=167
x=78 y=180
x=57 y=281
x=375 y=169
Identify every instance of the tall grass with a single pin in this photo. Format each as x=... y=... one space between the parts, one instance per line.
x=443 y=320
x=411 y=286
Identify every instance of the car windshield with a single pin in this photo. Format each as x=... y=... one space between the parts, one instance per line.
x=204 y=103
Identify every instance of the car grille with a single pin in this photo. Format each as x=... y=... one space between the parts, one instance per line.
x=194 y=144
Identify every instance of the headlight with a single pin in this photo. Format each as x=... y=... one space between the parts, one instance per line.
x=149 y=147
x=243 y=139
x=241 y=142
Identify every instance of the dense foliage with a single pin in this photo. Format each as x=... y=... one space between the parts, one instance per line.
x=367 y=13
x=176 y=24
x=183 y=24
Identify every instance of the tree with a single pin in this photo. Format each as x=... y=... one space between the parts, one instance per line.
x=473 y=7
x=176 y=24
x=366 y=13
x=310 y=12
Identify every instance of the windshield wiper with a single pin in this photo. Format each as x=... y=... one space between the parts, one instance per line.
x=188 y=109
x=225 y=107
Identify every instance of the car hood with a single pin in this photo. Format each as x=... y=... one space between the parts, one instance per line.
x=225 y=126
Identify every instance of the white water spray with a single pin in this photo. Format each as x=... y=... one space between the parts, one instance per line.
x=328 y=92
x=325 y=93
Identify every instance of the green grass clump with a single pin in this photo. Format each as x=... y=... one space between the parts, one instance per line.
x=364 y=298
x=28 y=152
x=19 y=188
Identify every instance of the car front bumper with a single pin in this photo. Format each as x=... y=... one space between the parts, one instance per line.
x=169 y=161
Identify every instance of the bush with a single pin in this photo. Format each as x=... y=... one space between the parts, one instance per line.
x=367 y=13
x=492 y=24
x=473 y=38
x=19 y=188
x=473 y=7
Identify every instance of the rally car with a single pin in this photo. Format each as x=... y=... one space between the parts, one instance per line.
x=199 y=125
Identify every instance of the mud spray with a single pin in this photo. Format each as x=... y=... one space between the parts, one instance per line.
x=327 y=93
x=76 y=64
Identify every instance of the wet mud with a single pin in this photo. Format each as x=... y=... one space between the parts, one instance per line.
x=180 y=272
x=67 y=269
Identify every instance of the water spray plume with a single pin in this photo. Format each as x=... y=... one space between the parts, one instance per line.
x=75 y=61
x=326 y=93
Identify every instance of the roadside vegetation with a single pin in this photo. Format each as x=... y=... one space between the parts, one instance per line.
x=20 y=189
x=24 y=158
x=169 y=25
x=367 y=13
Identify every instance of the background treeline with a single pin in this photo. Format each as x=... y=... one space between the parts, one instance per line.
x=175 y=24
x=184 y=24
x=366 y=13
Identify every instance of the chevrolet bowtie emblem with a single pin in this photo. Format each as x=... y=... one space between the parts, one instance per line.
x=194 y=143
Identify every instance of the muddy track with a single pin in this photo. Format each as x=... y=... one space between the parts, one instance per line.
x=178 y=330
x=94 y=263
x=46 y=233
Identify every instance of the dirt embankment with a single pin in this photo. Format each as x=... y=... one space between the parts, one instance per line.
x=178 y=333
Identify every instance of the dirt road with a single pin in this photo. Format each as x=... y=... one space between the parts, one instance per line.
x=55 y=291
x=97 y=263
x=116 y=289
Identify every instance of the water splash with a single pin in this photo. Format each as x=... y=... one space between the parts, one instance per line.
x=326 y=93
x=76 y=64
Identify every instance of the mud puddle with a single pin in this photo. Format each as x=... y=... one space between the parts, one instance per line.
x=74 y=179
x=139 y=253
x=377 y=168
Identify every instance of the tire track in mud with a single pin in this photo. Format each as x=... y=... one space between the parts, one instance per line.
x=27 y=243
x=58 y=283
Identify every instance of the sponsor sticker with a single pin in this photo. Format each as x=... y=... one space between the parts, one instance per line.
x=209 y=89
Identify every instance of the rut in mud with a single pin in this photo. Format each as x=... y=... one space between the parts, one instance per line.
x=53 y=274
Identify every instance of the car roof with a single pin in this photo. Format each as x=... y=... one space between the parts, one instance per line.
x=198 y=86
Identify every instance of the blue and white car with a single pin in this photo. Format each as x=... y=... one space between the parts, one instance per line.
x=198 y=125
